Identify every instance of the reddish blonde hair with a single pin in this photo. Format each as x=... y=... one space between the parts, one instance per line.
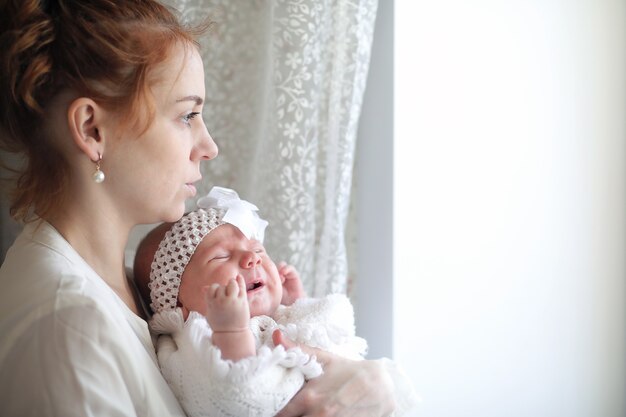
x=102 y=49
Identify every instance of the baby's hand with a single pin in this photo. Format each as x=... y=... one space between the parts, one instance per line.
x=292 y=286
x=227 y=306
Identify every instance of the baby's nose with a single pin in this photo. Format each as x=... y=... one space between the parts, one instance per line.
x=250 y=260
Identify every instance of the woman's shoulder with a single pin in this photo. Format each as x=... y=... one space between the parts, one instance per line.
x=41 y=258
x=33 y=269
x=43 y=279
x=38 y=241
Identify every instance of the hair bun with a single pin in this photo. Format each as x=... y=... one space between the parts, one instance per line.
x=26 y=34
x=50 y=7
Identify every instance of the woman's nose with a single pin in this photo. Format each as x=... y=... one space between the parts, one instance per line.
x=250 y=260
x=205 y=147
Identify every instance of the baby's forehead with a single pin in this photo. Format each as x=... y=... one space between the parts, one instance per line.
x=225 y=235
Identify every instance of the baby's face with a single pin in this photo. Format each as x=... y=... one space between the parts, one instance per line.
x=222 y=254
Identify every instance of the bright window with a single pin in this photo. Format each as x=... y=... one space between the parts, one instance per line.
x=508 y=206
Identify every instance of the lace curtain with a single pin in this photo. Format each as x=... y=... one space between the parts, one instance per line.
x=285 y=82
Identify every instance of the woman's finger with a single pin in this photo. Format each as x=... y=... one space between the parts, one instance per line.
x=294 y=408
x=280 y=339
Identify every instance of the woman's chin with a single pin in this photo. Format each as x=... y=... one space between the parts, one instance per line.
x=174 y=215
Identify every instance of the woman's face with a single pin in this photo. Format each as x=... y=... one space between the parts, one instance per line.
x=152 y=175
x=222 y=255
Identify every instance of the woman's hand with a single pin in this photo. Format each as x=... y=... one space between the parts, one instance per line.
x=346 y=388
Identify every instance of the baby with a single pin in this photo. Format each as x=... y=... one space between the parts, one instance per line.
x=217 y=299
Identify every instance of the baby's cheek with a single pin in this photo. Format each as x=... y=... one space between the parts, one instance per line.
x=277 y=295
x=201 y=306
x=192 y=296
x=223 y=275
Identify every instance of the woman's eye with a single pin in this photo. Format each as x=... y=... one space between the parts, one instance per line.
x=189 y=116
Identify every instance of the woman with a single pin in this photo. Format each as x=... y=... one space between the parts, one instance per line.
x=103 y=100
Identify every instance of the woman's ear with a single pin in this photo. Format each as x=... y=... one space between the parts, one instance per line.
x=84 y=117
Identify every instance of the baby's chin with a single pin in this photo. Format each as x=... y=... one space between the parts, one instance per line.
x=262 y=307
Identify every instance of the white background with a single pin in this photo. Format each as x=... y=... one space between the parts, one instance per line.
x=492 y=168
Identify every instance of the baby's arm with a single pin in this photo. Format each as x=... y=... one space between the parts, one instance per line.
x=292 y=285
x=228 y=314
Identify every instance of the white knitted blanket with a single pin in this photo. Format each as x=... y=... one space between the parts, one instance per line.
x=207 y=385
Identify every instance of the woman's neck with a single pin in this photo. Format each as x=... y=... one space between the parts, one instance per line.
x=101 y=241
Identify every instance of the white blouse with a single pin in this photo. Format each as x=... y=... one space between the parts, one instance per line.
x=69 y=346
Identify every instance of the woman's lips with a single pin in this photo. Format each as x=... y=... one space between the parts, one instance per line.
x=192 y=189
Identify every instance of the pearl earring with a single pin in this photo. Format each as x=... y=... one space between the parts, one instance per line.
x=98 y=176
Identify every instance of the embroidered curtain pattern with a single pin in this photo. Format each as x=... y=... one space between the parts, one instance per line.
x=284 y=87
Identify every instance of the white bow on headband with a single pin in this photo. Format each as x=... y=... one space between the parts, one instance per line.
x=240 y=213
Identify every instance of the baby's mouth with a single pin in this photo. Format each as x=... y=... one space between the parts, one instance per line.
x=252 y=286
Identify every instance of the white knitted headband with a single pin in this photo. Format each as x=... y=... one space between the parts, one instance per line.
x=220 y=206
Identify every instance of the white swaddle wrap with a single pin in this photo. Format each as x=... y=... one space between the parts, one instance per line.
x=261 y=385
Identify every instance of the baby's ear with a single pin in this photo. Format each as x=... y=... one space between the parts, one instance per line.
x=185 y=311
x=144 y=254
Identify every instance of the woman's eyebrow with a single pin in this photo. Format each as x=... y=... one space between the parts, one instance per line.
x=197 y=99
